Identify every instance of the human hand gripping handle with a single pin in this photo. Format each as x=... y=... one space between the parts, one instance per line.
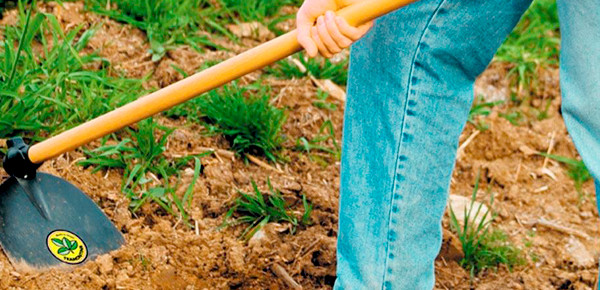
x=320 y=30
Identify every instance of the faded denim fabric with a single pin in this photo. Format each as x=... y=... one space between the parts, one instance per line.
x=409 y=94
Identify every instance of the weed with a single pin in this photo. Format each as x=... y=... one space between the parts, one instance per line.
x=48 y=89
x=483 y=249
x=481 y=108
x=576 y=170
x=166 y=22
x=515 y=117
x=305 y=145
x=322 y=103
x=533 y=44
x=318 y=67
x=254 y=10
x=146 y=171
x=543 y=113
x=259 y=209
x=246 y=118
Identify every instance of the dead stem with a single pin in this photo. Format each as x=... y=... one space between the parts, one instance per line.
x=283 y=275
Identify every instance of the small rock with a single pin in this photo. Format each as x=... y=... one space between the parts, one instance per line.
x=189 y=172
x=459 y=204
x=528 y=151
x=241 y=178
x=122 y=277
x=105 y=264
x=258 y=238
x=451 y=247
x=579 y=254
x=292 y=186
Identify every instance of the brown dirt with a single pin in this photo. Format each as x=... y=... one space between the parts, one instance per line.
x=161 y=253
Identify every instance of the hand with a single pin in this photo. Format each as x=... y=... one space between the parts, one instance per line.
x=331 y=33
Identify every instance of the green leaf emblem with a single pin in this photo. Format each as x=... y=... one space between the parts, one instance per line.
x=63 y=251
x=57 y=242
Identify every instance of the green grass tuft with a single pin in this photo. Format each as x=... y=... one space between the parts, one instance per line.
x=167 y=23
x=255 y=10
x=246 y=118
x=480 y=109
x=576 y=170
x=532 y=45
x=146 y=171
x=483 y=249
x=318 y=67
x=44 y=84
x=319 y=143
x=258 y=209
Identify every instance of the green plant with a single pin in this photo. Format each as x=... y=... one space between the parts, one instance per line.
x=576 y=170
x=316 y=143
x=254 y=10
x=515 y=117
x=533 y=44
x=322 y=103
x=246 y=118
x=483 y=249
x=47 y=88
x=318 y=67
x=481 y=108
x=166 y=22
x=146 y=171
x=259 y=209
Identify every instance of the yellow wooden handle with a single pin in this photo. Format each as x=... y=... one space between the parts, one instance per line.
x=213 y=77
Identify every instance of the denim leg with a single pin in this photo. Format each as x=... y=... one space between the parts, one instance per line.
x=580 y=79
x=409 y=94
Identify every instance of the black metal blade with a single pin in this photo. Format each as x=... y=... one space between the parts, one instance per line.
x=73 y=231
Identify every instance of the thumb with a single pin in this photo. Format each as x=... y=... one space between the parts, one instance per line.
x=304 y=24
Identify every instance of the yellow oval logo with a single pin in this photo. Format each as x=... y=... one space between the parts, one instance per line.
x=66 y=247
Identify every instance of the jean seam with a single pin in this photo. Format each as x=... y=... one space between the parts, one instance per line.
x=403 y=127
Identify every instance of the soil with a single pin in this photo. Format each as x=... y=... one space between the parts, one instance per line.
x=535 y=200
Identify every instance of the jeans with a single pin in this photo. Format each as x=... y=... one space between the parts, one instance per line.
x=409 y=95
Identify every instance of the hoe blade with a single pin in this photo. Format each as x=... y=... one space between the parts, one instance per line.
x=48 y=222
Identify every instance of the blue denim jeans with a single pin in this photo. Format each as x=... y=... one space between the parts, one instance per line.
x=409 y=95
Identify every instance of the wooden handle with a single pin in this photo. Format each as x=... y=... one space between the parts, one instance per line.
x=213 y=77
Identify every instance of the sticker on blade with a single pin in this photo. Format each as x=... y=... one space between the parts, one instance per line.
x=66 y=247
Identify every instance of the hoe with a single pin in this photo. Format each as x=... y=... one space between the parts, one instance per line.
x=47 y=222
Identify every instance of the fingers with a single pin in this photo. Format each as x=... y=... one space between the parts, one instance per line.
x=351 y=32
x=332 y=27
x=323 y=50
x=304 y=25
x=330 y=34
x=326 y=37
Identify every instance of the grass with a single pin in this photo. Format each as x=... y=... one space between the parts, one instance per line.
x=254 y=10
x=481 y=108
x=147 y=173
x=44 y=84
x=319 y=143
x=258 y=209
x=483 y=248
x=167 y=23
x=243 y=115
x=298 y=66
x=576 y=170
x=322 y=103
x=533 y=45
